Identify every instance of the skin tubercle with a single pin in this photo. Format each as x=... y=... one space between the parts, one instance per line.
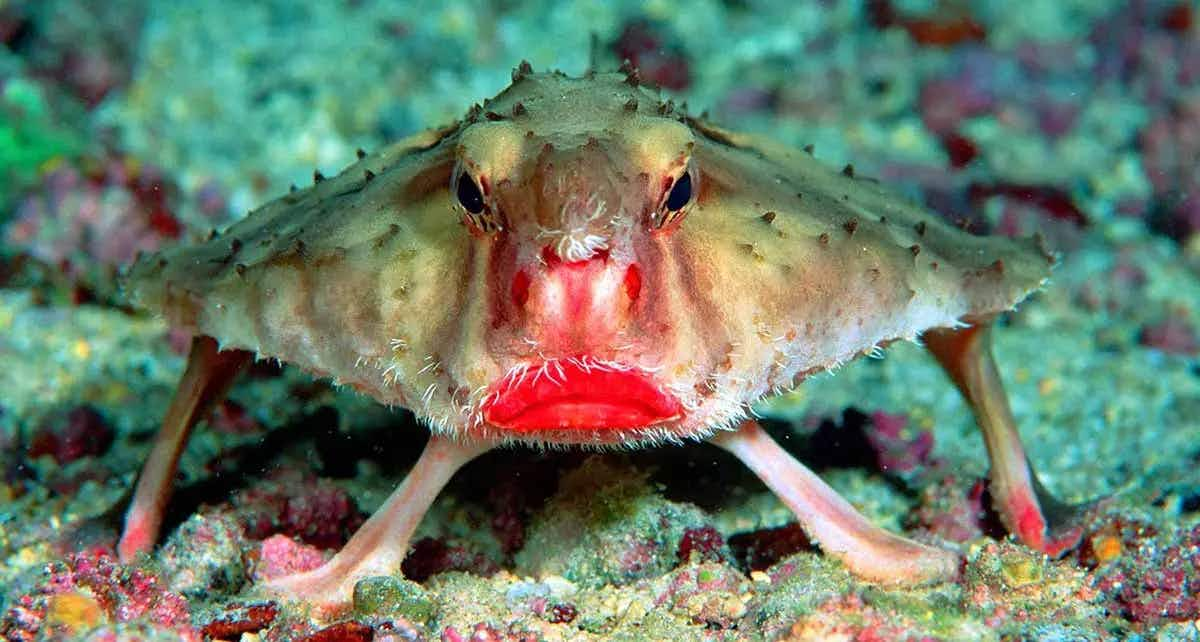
x=576 y=262
x=823 y=268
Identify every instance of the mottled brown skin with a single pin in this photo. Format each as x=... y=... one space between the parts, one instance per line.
x=776 y=267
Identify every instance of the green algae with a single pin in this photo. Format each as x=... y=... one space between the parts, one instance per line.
x=29 y=138
x=391 y=596
x=606 y=525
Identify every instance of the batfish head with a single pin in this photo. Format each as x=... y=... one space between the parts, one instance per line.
x=571 y=190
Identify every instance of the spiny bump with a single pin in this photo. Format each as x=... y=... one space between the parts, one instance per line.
x=848 y=171
x=360 y=153
x=823 y=239
x=920 y=228
x=292 y=189
x=318 y=176
x=522 y=70
x=240 y=269
x=235 y=246
x=492 y=116
x=368 y=175
x=768 y=217
x=631 y=105
x=809 y=149
x=518 y=109
x=915 y=249
x=850 y=226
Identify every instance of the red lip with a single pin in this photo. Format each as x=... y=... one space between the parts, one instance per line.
x=568 y=396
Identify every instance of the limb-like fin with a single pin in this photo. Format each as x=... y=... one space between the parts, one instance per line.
x=379 y=546
x=1028 y=511
x=869 y=551
x=209 y=373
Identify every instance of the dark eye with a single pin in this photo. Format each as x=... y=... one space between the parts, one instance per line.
x=469 y=196
x=681 y=193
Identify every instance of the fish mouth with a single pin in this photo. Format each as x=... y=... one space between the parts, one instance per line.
x=575 y=394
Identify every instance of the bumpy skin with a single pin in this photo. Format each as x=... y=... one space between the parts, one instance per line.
x=578 y=263
x=777 y=267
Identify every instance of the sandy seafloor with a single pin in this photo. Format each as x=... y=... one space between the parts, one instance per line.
x=134 y=124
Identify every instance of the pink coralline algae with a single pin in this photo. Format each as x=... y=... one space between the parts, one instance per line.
x=1052 y=201
x=123 y=594
x=1118 y=289
x=1171 y=144
x=946 y=102
x=280 y=555
x=899 y=449
x=314 y=510
x=1173 y=335
x=706 y=593
x=954 y=511
x=645 y=45
x=701 y=544
x=881 y=441
x=1151 y=49
x=84 y=49
x=866 y=623
x=231 y=418
x=1156 y=583
x=81 y=432
x=99 y=216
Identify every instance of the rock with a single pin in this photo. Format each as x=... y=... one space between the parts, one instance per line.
x=607 y=525
x=393 y=596
x=204 y=556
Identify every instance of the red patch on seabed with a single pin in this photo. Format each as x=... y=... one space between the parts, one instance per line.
x=568 y=396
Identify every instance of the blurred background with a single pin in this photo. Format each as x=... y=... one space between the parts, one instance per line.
x=129 y=125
